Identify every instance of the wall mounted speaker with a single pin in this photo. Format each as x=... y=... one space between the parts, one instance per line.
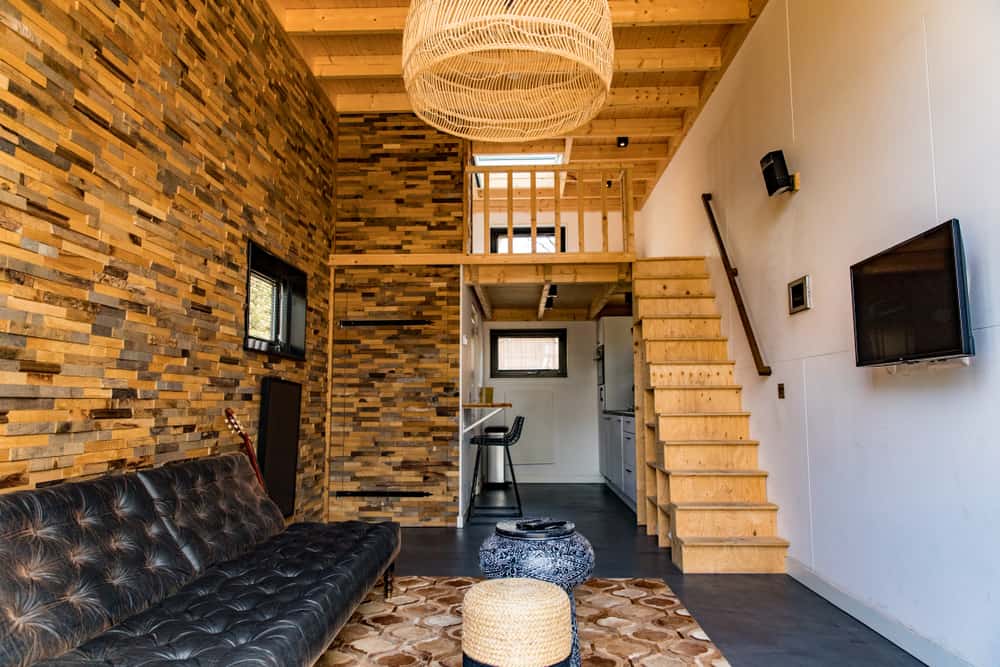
x=776 y=175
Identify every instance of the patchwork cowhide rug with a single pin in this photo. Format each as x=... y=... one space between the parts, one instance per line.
x=622 y=622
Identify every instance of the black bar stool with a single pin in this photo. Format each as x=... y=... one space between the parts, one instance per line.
x=506 y=439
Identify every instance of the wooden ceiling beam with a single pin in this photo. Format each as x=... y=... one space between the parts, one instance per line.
x=680 y=59
x=624 y=14
x=601 y=300
x=680 y=97
x=632 y=153
x=649 y=96
x=543 y=298
x=627 y=61
x=629 y=127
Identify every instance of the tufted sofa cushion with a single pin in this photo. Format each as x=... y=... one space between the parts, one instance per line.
x=75 y=560
x=279 y=606
x=214 y=507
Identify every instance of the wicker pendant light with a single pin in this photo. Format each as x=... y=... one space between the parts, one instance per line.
x=508 y=70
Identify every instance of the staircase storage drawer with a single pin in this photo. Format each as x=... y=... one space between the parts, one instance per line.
x=628 y=425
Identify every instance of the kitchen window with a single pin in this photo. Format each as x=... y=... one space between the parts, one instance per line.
x=528 y=353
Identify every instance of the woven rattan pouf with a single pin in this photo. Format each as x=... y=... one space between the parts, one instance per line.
x=516 y=623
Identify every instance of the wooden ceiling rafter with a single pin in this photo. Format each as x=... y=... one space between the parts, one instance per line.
x=340 y=20
x=671 y=56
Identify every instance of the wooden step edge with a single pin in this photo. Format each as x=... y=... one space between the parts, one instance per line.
x=718 y=473
x=691 y=316
x=656 y=465
x=710 y=295
x=688 y=362
x=681 y=258
x=776 y=542
x=703 y=414
x=673 y=276
x=652 y=499
x=708 y=443
x=763 y=507
x=681 y=339
x=694 y=387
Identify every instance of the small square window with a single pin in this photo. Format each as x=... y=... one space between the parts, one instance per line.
x=276 y=305
x=527 y=353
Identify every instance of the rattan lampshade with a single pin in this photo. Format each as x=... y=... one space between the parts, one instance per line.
x=508 y=70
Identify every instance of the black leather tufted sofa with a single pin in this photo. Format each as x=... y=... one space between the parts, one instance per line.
x=189 y=564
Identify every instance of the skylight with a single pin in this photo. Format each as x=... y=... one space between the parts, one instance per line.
x=521 y=179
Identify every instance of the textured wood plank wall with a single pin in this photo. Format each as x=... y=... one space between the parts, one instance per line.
x=141 y=145
x=394 y=412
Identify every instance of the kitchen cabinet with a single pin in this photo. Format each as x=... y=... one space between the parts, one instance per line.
x=617 y=454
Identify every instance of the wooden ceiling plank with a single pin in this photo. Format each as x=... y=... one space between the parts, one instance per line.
x=649 y=96
x=627 y=61
x=624 y=13
x=630 y=127
x=668 y=60
x=655 y=96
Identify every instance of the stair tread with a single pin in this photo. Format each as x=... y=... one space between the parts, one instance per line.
x=706 y=295
x=736 y=413
x=656 y=465
x=688 y=362
x=679 y=258
x=673 y=276
x=724 y=506
x=693 y=387
x=692 y=316
x=675 y=339
x=669 y=443
x=732 y=541
x=718 y=473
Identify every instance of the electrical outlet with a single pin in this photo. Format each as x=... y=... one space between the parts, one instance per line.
x=781 y=390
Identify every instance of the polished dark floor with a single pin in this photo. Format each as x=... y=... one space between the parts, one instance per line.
x=757 y=620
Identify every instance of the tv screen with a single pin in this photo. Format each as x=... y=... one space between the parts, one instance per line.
x=911 y=301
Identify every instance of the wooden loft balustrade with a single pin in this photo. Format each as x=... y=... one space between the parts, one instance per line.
x=540 y=213
x=592 y=208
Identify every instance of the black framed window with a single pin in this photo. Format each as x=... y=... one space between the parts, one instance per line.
x=528 y=353
x=276 y=305
x=545 y=238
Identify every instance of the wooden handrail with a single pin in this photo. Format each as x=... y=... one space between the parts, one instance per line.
x=731 y=273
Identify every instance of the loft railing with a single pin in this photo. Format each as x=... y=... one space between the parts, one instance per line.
x=546 y=211
x=731 y=273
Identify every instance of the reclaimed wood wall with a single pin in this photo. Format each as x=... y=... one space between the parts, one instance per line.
x=395 y=400
x=141 y=145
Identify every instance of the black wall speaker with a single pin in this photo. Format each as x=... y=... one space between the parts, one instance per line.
x=776 y=175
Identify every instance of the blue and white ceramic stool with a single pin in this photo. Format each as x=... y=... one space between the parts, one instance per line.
x=540 y=549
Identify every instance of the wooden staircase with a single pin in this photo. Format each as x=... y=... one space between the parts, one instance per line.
x=701 y=492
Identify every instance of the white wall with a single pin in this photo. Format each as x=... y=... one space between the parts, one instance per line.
x=560 y=428
x=887 y=484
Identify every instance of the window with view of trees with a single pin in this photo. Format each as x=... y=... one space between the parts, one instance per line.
x=276 y=305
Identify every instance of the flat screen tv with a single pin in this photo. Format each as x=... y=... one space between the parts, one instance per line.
x=911 y=302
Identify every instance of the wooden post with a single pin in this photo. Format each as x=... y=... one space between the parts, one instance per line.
x=579 y=211
x=510 y=212
x=486 y=213
x=556 y=201
x=534 y=213
x=628 y=213
x=468 y=212
x=603 y=185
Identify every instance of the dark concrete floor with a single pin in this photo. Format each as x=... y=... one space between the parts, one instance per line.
x=756 y=620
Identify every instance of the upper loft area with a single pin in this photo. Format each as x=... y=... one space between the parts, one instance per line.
x=669 y=58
